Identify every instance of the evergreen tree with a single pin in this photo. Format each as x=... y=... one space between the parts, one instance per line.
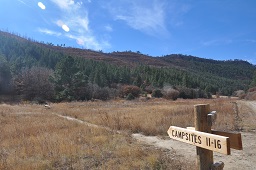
x=5 y=77
x=253 y=83
x=138 y=81
x=65 y=78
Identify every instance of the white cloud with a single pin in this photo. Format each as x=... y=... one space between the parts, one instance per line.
x=153 y=17
x=22 y=2
x=41 y=5
x=49 y=32
x=74 y=20
x=250 y=41
x=64 y=4
x=146 y=16
x=108 y=28
x=217 y=42
x=89 y=42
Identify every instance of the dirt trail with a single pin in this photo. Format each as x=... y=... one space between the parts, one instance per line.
x=244 y=159
x=239 y=159
x=86 y=123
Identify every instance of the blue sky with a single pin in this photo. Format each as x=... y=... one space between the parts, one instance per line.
x=216 y=29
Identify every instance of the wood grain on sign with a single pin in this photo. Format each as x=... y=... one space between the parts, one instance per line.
x=235 y=138
x=208 y=141
x=204 y=157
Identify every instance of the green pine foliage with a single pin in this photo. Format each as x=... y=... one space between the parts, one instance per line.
x=253 y=83
x=85 y=78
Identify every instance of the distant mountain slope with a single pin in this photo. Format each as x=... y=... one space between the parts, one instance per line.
x=174 y=69
x=233 y=69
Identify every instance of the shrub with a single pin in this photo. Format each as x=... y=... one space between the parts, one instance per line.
x=252 y=89
x=101 y=94
x=239 y=93
x=209 y=95
x=185 y=93
x=130 y=97
x=171 y=94
x=157 y=93
x=126 y=90
x=34 y=83
x=251 y=96
x=149 y=89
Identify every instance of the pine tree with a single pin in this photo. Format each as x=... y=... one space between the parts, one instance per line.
x=64 y=78
x=253 y=83
x=5 y=76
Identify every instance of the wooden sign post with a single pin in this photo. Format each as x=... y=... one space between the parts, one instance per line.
x=201 y=136
x=204 y=158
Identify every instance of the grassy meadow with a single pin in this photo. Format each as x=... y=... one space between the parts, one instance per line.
x=34 y=137
x=152 y=117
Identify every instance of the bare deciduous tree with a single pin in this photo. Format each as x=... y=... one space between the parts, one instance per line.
x=34 y=83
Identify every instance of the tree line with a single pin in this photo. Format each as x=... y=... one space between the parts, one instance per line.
x=36 y=72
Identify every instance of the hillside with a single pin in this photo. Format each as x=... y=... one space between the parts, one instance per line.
x=131 y=68
x=129 y=57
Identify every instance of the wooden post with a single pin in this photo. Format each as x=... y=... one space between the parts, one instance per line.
x=204 y=157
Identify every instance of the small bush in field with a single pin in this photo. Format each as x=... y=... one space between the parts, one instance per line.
x=149 y=89
x=252 y=89
x=126 y=90
x=157 y=93
x=186 y=93
x=251 y=96
x=101 y=94
x=171 y=94
x=240 y=94
x=130 y=97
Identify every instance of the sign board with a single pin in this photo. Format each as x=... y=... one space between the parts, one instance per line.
x=204 y=140
x=235 y=138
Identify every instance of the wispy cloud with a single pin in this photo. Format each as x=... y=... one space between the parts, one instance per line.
x=216 y=42
x=22 y=2
x=49 y=32
x=65 y=4
x=108 y=28
x=73 y=19
x=250 y=41
x=145 y=16
x=250 y=59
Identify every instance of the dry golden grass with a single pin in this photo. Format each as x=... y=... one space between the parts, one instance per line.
x=150 y=118
x=34 y=138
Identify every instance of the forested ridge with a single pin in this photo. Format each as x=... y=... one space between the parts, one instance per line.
x=45 y=71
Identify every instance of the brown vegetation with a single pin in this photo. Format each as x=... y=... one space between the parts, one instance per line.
x=251 y=94
x=130 y=89
x=152 y=117
x=34 y=138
